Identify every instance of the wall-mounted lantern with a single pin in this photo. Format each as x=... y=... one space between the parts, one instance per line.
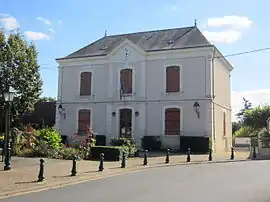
x=137 y=113
x=196 y=107
x=113 y=114
x=62 y=111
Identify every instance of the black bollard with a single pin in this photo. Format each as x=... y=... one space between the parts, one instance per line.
x=254 y=153
x=145 y=158
x=8 y=158
x=232 y=153
x=74 y=166
x=101 y=166
x=123 y=164
x=188 y=155
x=41 y=171
x=210 y=155
x=167 y=160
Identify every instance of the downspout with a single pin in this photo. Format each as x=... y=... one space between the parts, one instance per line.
x=213 y=97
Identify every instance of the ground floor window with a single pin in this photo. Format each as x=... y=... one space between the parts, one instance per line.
x=84 y=119
x=172 y=121
x=125 y=123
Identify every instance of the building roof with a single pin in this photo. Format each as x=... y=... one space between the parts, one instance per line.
x=168 y=39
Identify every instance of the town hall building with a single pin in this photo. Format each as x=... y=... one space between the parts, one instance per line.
x=169 y=83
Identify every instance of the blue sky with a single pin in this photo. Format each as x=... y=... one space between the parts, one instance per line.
x=61 y=27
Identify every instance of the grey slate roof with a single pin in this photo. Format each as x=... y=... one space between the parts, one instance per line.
x=177 y=38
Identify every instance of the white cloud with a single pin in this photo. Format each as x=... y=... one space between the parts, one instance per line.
x=59 y=22
x=173 y=8
x=236 y=22
x=36 y=35
x=256 y=97
x=9 y=22
x=46 y=21
x=228 y=36
x=51 y=30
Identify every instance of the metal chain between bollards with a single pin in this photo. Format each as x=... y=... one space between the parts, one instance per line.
x=188 y=155
x=101 y=166
x=145 y=162
x=167 y=160
x=123 y=164
x=74 y=166
x=232 y=153
x=41 y=171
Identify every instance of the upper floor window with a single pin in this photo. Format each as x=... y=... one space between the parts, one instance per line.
x=172 y=121
x=172 y=79
x=126 y=81
x=85 y=83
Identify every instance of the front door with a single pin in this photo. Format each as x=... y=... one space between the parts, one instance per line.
x=125 y=123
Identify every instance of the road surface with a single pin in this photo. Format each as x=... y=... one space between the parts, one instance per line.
x=228 y=182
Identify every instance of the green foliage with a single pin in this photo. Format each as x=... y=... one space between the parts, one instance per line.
x=46 y=99
x=127 y=144
x=151 y=143
x=247 y=106
x=110 y=153
x=68 y=152
x=49 y=136
x=235 y=126
x=246 y=131
x=20 y=69
x=257 y=117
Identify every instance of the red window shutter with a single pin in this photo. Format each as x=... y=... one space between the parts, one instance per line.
x=173 y=79
x=224 y=124
x=172 y=121
x=85 y=86
x=84 y=120
x=126 y=77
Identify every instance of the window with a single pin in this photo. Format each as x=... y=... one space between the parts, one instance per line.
x=173 y=79
x=172 y=121
x=84 y=119
x=85 y=83
x=126 y=81
x=224 y=124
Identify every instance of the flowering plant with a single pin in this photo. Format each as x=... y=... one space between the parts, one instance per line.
x=84 y=141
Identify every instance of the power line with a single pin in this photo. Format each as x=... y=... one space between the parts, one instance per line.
x=246 y=52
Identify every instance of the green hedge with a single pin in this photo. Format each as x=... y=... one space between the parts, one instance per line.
x=100 y=140
x=110 y=153
x=151 y=143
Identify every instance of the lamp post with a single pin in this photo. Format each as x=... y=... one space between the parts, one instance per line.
x=8 y=98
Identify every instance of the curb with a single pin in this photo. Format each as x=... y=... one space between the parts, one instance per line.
x=138 y=168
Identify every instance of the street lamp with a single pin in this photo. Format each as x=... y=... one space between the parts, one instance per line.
x=8 y=96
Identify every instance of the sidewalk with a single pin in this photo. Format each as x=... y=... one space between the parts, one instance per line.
x=22 y=178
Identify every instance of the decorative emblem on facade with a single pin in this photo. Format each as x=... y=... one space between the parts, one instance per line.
x=196 y=107
x=127 y=53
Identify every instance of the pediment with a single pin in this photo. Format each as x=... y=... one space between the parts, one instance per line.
x=127 y=52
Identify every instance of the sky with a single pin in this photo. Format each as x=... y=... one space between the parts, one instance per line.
x=60 y=27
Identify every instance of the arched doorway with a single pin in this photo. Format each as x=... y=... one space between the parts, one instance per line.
x=125 y=123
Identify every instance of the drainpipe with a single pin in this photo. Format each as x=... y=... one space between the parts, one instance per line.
x=213 y=97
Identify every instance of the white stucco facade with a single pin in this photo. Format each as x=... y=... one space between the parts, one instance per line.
x=203 y=79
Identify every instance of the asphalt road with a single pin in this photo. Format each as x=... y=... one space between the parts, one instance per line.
x=230 y=182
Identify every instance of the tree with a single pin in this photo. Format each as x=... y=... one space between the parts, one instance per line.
x=20 y=70
x=257 y=117
x=46 y=99
x=247 y=106
x=235 y=127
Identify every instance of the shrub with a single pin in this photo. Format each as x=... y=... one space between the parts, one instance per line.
x=151 y=143
x=246 y=131
x=68 y=152
x=128 y=145
x=100 y=140
x=110 y=153
x=50 y=136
